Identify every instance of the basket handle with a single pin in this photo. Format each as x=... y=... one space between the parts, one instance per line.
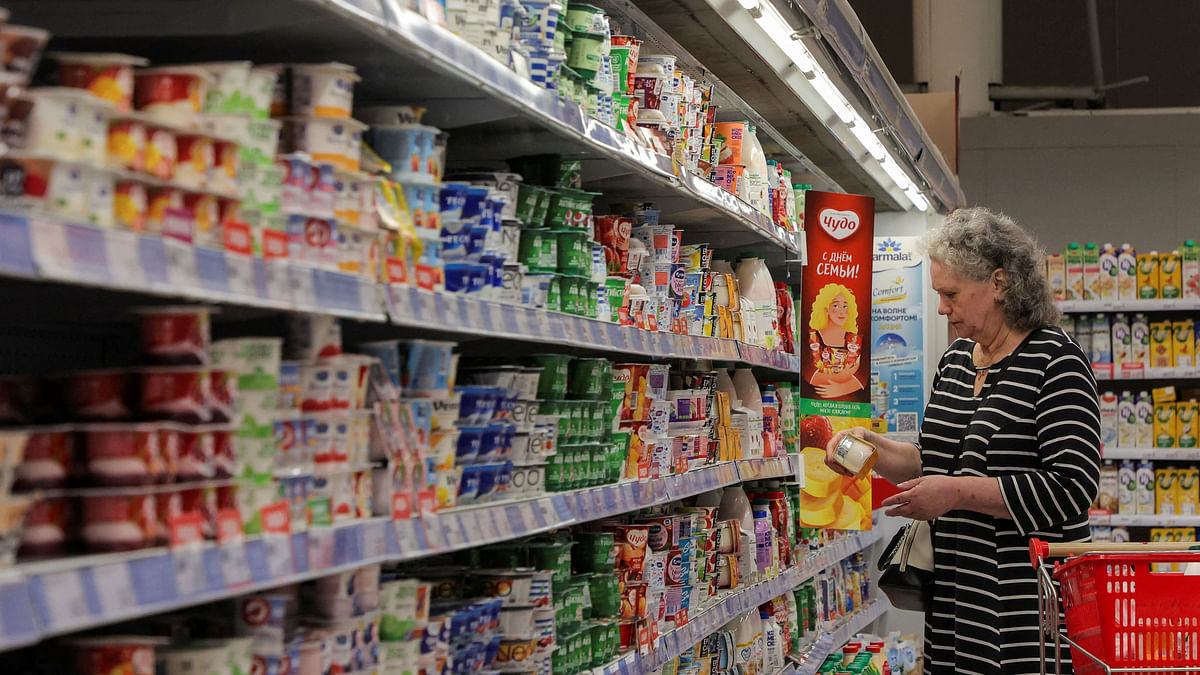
x=1039 y=549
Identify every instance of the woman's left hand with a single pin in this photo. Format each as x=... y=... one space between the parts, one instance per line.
x=924 y=498
x=835 y=390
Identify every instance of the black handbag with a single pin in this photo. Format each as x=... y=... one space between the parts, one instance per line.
x=906 y=565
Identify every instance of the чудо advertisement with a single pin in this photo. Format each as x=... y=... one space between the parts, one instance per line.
x=836 y=343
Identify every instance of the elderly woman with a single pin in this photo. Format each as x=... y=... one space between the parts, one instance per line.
x=1010 y=446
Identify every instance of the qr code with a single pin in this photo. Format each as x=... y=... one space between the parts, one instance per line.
x=906 y=422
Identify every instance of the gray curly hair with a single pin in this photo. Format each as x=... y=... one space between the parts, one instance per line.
x=975 y=242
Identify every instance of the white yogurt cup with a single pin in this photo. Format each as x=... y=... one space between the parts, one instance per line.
x=323 y=90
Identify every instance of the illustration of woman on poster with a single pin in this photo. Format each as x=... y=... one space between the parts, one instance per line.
x=834 y=342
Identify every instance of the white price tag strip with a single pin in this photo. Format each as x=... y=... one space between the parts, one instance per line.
x=188 y=563
x=114 y=585
x=235 y=567
x=279 y=555
x=65 y=601
x=374 y=540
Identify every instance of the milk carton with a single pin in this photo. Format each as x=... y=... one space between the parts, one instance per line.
x=1074 y=258
x=1091 y=271
x=1146 y=488
x=1144 y=410
x=1147 y=275
x=1139 y=337
x=1188 y=492
x=1126 y=273
x=1120 y=535
x=1127 y=488
x=1122 y=347
x=1160 y=344
x=1102 y=349
x=1190 y=262
x=1109 y=273
x=1083 y=335
x=1108 y=419
x=1166 y=425
x=1068 y=324
x=1183 y=343
x=1109 y=488
x=1188 y=421
x=1170 y=276
x=1164 y=491
x=1056 y=275
x=1126 y=421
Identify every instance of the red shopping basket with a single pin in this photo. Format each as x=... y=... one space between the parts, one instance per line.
x=1127 y=614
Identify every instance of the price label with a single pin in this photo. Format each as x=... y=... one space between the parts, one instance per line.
x=188 y=564
x=374 y=540
x=405 y=536
x=235 y=566
x=529 y=517
x=424 y=307
x=124 y=258
x=114 y=585
x=181 y=263
x=304 y=287
x=472 y=532
x=277 y=273
x=511 y=323
x=279 y=555
x=441 y=309
x=470 y=315
x=241 y=275
x=434 y=537
x=66 y=602
x=451 y=530
x=487 y=316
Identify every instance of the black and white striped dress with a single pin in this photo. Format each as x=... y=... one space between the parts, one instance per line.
x=1039 y=433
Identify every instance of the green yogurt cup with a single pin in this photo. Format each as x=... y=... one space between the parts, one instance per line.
x=574 y=252
x=554 y=294
x=585 y=53
x=556 y=368
x=594 y=552
x=581 y=18
x=586 y=376
x=606 y=595
x=553 y=556
x=568 y=293
x=538 y=250
x=593 y=290
x=528 y=197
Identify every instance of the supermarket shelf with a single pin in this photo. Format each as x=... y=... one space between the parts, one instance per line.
x=1149 y=520
x=462 y=86
x=834 y=639
x=56 y=597
x=674 y=643
x=1180 y=454
x=1090 y=306
x=1108 y=373
x=39 y=248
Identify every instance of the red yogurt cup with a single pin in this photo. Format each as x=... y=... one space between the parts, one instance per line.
x=49 y=460
x=124 y=454
x=176 y=335
x=99 y=394
x=119 y=522
x=179 y=394
x=197 y=453
x=221 y=388
x=49 y=528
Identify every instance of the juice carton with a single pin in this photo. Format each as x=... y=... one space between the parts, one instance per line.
x=1126 y=421
x=1067 y=323
x=1109 y=273
x=1147 y=275
x=1108 y=419
x=1183 y=343
x=1122 y=347
x=1127 y=488
x=1189 y=493
x=1102 y=534
x=1188 y=416
x=1160 y=344
x=1074 y=258
x=1083 y=335
x=1163 y=394
x=1139 y=339
x=1127 y=273
x=1146 y=488
x=1144 y=409
x=1107 y=499
x=1190 y=262
x=1166 y=429
x=1164 y=491
x=1102 y=348
x=1091 y=271
x=1056 y=275
x=1170 y=276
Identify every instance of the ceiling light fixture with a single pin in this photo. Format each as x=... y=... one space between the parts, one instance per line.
x=917 y=198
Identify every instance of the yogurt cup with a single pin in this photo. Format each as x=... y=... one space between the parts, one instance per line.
x=119 y=522
x=162 y=152
x=409 y=151
x=227 y=92
x=176 y=393
x=333 y=140
x=196 y=159
x=260 y=85
x=123 y=454
x=107 y=76
x=173 y=95
x=323 y=90
x=128 y=655
x=59 y=122
x=23 y=47
x=196 y=452
x=175 y=334
x=48 y=529
x=49 y=460
x=99 y=394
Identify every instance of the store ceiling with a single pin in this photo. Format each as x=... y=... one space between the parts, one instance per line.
x=1046 y=44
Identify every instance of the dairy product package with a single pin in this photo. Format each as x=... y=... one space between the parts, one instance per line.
x=1122 y=347
x=1126 y=273
x=1126 y=421
x=1127 y=488
x=1109 y=410
x=1145 y=491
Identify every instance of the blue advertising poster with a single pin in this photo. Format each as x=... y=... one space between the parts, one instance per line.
x=897 y=326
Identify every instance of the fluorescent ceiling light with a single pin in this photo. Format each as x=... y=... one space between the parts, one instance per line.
x=917 y=198
x=868 y=138
x=781 y=34
x=893 y=170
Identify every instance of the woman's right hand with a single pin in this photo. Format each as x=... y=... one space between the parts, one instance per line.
x=858 y=432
